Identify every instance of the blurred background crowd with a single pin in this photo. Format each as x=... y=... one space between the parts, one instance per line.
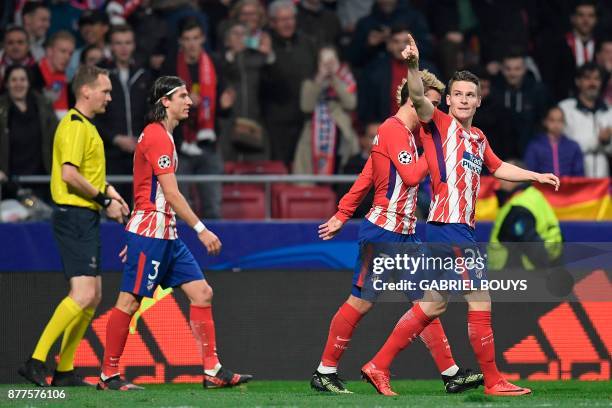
x=304 y=84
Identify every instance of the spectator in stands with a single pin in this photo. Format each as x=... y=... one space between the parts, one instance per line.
x=351 y=11
x=93 y=26
x=36 y=22
x=321 y=24
x=373 y=31
x=49 y=76
x=123 y=120
x=150 y=32
x=92 y=55
x=252 y=15
x=552 y=151
x=27 y=126
x=355 y=164
x=244 y=137
x=295 y=61
x=519 y=92
x=588 y=121
x=174 y=12
x=15 y=50
x=198 y=148
x=495 y=120
x=558 y=57
x=328 y=139
x=381 y=77
x=604 y=60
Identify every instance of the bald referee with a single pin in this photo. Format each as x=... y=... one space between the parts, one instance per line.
x=80 y=191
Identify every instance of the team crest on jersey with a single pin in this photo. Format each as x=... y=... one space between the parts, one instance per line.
x=471 y=162
x=404 y=157
x=164 y=162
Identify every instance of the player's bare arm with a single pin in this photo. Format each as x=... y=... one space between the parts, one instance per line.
x=180 y=205
x=422 y=105
x=510 y=172
x=71 y=176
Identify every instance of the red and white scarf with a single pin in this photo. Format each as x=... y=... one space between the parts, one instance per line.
x=583 y=52
x=56 y=86
x=203 y=127
x=324 y=129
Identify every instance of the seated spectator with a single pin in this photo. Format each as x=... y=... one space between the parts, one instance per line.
x=27 y=126
x=321 y=24
x=197 y=139
x=15 y=50
x=552 y=151
x=252 y=15
x=36 y=22
x=123 y=120
x=588 y=121
x=328 y=139
x=244 y=137
x=604 y=60
x=355 y=164
x=296 y=59
x=92 y=55
x=93 y=26
x=49 y=76
x=519 y=92
x=495 y=120
x=373 y=31
x=381 y=77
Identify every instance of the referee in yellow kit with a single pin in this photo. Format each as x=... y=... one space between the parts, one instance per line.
x=79 y=190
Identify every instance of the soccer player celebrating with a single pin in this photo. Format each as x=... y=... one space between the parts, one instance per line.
x=154 y=255
x=79 y=190
x=455 y=152
x=392 y=168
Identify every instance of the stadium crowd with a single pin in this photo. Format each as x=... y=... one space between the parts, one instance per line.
x=306 y=82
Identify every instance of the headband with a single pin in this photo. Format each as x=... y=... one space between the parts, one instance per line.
x=170 y=92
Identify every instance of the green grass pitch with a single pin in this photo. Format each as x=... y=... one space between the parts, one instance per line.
x=415 y=393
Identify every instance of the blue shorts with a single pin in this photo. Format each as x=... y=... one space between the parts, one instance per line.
x=456 y=242
x=152 y=261
x=363 y=275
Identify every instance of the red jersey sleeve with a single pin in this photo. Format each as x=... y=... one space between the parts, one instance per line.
x=490 y=158
x=351 y=200
x=158 y=149
x=402 y=154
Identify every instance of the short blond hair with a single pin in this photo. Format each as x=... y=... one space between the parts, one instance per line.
x=430 y=81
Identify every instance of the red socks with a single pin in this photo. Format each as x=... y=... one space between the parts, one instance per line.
x=203 y=328
x=117 y=329
x=481 y=338
x=406 y=330
x=340 y=332
x=435 y=339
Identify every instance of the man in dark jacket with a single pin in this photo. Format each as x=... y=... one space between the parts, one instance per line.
x=526 y=98
x=295 y=61
x=373 y=31
x=123 y=120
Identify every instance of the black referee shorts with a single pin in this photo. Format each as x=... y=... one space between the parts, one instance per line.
x=77 y=233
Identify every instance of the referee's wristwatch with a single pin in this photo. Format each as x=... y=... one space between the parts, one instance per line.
x=103 y=200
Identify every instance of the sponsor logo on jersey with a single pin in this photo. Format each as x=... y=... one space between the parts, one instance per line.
x=471 y=162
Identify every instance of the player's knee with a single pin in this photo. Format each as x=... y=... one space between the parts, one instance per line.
x=362 y=306
x=127 y=303
x=433 y=309
x=204 y=296
x=86 y=297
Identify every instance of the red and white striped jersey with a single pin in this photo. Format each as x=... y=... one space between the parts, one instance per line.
x=155 y=154
x=455 y=157
x=395 y=172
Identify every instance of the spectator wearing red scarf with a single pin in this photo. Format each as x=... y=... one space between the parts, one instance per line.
x=197 y=137
x=49 y=76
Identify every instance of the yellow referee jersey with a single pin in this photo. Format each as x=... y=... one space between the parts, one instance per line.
x=78 y=142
